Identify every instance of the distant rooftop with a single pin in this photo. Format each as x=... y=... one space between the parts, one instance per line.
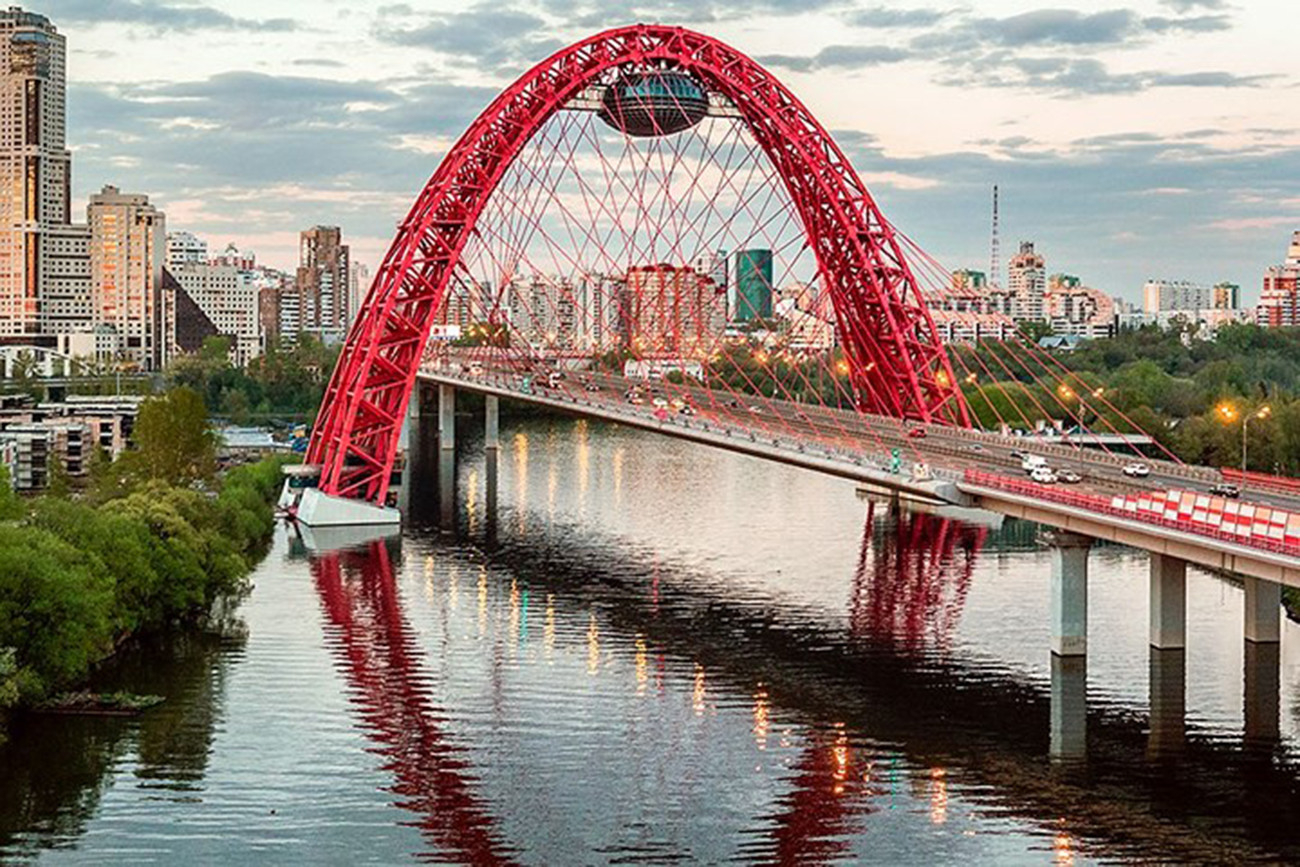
x=17 y=15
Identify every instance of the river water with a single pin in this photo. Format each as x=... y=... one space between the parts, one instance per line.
x=653 y=652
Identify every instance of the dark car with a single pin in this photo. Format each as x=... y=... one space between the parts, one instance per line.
x=1225 y=489
x=917 y=433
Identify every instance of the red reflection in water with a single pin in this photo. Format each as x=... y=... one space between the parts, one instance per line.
x=377 y=653
x=913 y=575
x=828 y=794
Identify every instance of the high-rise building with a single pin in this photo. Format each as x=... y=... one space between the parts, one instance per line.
x=668 y=310
x=184 y=248
x=65 y=280
x=35 y=168
x=1027 y=284
x=753 y=287
x=1072 y=308
x=1279 y=302
x=323 y=281
x=228 y=296
x=358 y=286
x=1184 y=295
x=127 y=249
x=1225 y=296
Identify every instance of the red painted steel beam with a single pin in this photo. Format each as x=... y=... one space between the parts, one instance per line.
x=897 y=361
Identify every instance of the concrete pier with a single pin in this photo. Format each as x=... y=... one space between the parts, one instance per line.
x=1168 y=602
x=1262 y=703
x=491 y=423
x=446 y=417
x=1069 y=593
x=1263 y=610
x=1168 y=700
x=447 y=490
x=1068 y=742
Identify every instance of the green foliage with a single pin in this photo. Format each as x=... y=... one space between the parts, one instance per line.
x=60 y=483
x=54 y=608
x=174 y=442
x=284 y=382
x=1164 y=382
x=8 y=678
x=76 y=577
x=11 y=506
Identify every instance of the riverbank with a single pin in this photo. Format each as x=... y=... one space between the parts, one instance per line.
x=80 y=577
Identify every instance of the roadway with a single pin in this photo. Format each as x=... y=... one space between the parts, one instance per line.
x=857 y=446
x=944 y=449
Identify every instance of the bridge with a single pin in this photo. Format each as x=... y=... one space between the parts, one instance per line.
x=649 y=228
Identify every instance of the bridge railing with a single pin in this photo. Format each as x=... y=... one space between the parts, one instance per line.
x=1278 y=484
x=857 y=457
x=1104 y=505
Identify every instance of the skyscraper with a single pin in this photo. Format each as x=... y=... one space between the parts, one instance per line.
x=323 y=281
x=1027 y=282
x=753 y=285
x=128 y=245
x=1279 y=303
x=183 y=248
x=35 y=166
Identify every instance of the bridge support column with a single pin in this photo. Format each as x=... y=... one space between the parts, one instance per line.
x=1168 y=699
x=447 y=490
x=1168 y=602
x=1069 y=709
x=1262 y=705
x=1263 y=610
x=446 y=417
x=491 y=423
x=1069 y=593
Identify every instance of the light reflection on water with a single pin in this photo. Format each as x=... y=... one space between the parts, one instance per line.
x=656 y=652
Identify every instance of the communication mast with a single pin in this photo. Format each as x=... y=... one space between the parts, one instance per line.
x=995 y=259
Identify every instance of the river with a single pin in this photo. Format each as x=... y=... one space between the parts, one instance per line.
x=654 y=652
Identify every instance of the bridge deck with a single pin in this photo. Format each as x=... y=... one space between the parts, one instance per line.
x=966 y=467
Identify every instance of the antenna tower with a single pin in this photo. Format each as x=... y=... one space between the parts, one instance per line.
x=995 y=258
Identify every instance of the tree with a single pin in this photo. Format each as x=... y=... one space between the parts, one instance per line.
x=11 y=505
x=60 y=483
x=1032 y=332
x=174 y=442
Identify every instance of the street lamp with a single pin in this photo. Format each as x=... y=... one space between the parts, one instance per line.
x=1263 y=412
x=1228 y=414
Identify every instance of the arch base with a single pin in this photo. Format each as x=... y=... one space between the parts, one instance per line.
x=318 y=509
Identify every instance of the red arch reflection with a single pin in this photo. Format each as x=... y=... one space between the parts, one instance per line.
x=913 y=575
x=376 y=651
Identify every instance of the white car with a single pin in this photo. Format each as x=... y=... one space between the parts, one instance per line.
x=1043 y=475
x=1029 y=463
x=1137 y=470
x=659 y=403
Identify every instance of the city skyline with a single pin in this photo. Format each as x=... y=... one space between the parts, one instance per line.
x=1106 y=130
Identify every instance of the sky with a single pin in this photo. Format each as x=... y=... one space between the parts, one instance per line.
x=1129 y=140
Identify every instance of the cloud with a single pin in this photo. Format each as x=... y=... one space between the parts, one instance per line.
x=158 y=15
x=1185 y=6
x=1057 y=27
x=483 y=32
x=1069 y=76
x=837 y=57
x=589 y=14
x=880 y=16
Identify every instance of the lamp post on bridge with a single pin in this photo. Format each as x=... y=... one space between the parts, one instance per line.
x=1228 y=413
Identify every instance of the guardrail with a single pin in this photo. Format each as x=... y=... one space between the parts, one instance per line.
x=1278 y=484
x=614 y=411
x=1101 y=504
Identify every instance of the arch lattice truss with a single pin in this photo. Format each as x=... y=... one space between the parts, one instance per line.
x=898 y=364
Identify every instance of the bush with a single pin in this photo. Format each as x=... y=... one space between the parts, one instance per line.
x=75 y=578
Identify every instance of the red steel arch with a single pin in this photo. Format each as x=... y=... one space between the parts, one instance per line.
x=898 y=362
